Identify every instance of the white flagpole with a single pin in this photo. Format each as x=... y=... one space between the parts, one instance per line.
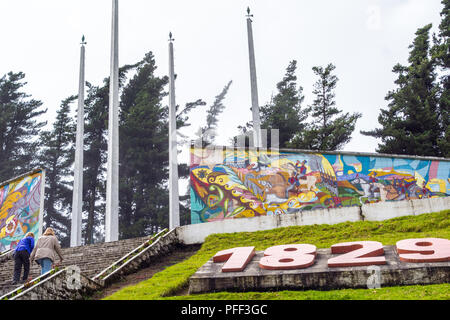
x=112 y=183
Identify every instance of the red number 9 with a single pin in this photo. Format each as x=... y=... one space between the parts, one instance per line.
x=288 y=257
x=424 y=250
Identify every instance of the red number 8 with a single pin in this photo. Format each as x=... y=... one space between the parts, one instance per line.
x=424 y=250
x=288 y=257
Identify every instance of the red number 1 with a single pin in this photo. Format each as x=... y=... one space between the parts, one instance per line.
x=235 y=259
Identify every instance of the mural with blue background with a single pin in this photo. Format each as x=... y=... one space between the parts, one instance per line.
x=228 y=184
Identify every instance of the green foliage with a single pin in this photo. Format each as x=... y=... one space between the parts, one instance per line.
x=441 y=54
x=416 y=118
x=329 y=129
x=19 y=127
x=94 y=158
x=207 y=134
x=284 y=112
x=56 y=156
x=143 y=196
x=144 y=152
x=170 y=281
x=418 y=292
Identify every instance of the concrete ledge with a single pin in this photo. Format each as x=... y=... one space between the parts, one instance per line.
x=386 y=210
x=394 y=209
x=196 y=233
x=209 y=277
x=439 y=204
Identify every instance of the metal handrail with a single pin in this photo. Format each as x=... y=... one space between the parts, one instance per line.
x=104 y=273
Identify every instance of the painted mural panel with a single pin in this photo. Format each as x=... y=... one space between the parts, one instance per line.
x=19 y=209
x=227 y=184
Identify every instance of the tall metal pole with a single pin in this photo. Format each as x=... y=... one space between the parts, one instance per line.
x=77 y=198
x=112 y=183
x=174 y=208
x=254 y=84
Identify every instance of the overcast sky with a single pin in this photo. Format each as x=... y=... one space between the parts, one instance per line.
x=364 y=39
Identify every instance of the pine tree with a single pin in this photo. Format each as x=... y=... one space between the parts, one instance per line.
x=441 y=55
x=329 y=129
x=410 y=124
x=95 y=155
x=144 y=157
x=19 y=127
x=207 y=134
x=57 y=156
x=96 y=110
x=143 y=151
x=284 y=112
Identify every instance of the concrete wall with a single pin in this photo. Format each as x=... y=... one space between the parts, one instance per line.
x=196 y=233
x=241 y=183
x=393 y=209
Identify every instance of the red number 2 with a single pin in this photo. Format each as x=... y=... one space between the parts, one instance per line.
x=360 y=253
x=424 y=250
x=235 y=259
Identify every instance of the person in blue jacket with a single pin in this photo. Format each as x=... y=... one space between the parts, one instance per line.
x=22 y=258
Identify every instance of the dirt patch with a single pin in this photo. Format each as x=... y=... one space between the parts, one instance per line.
x=178 y=255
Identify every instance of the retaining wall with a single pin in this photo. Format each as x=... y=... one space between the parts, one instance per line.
x=196 y=233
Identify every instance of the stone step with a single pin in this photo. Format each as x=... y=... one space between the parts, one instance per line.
x=92 y=259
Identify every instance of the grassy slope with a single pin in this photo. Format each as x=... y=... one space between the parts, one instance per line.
x=165 y=284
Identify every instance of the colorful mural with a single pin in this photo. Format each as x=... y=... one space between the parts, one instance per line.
x=19 y=209
x=227 y=184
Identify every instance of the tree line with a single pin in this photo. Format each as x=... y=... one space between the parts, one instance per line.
x=415 y=122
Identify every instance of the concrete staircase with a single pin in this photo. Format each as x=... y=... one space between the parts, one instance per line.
x=91 y=259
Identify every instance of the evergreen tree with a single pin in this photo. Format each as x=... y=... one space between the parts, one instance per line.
x=441 y=55
x=143 y=198
x=329 y=129
x=57 y=156
x=410 y=125
x=207 y=133
x=19 y=127
x=144 y=158
x=284 y=112
x=95 y=156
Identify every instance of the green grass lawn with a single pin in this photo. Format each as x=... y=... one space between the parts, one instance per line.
x=168 y=283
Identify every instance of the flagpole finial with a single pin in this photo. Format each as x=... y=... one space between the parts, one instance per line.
x=171 y=39
x=83 y=40
x=248 y=13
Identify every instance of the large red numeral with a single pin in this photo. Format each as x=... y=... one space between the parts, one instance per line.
x=288 y=257
x=359 y=253
x=235 y=259
x=424 y=250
